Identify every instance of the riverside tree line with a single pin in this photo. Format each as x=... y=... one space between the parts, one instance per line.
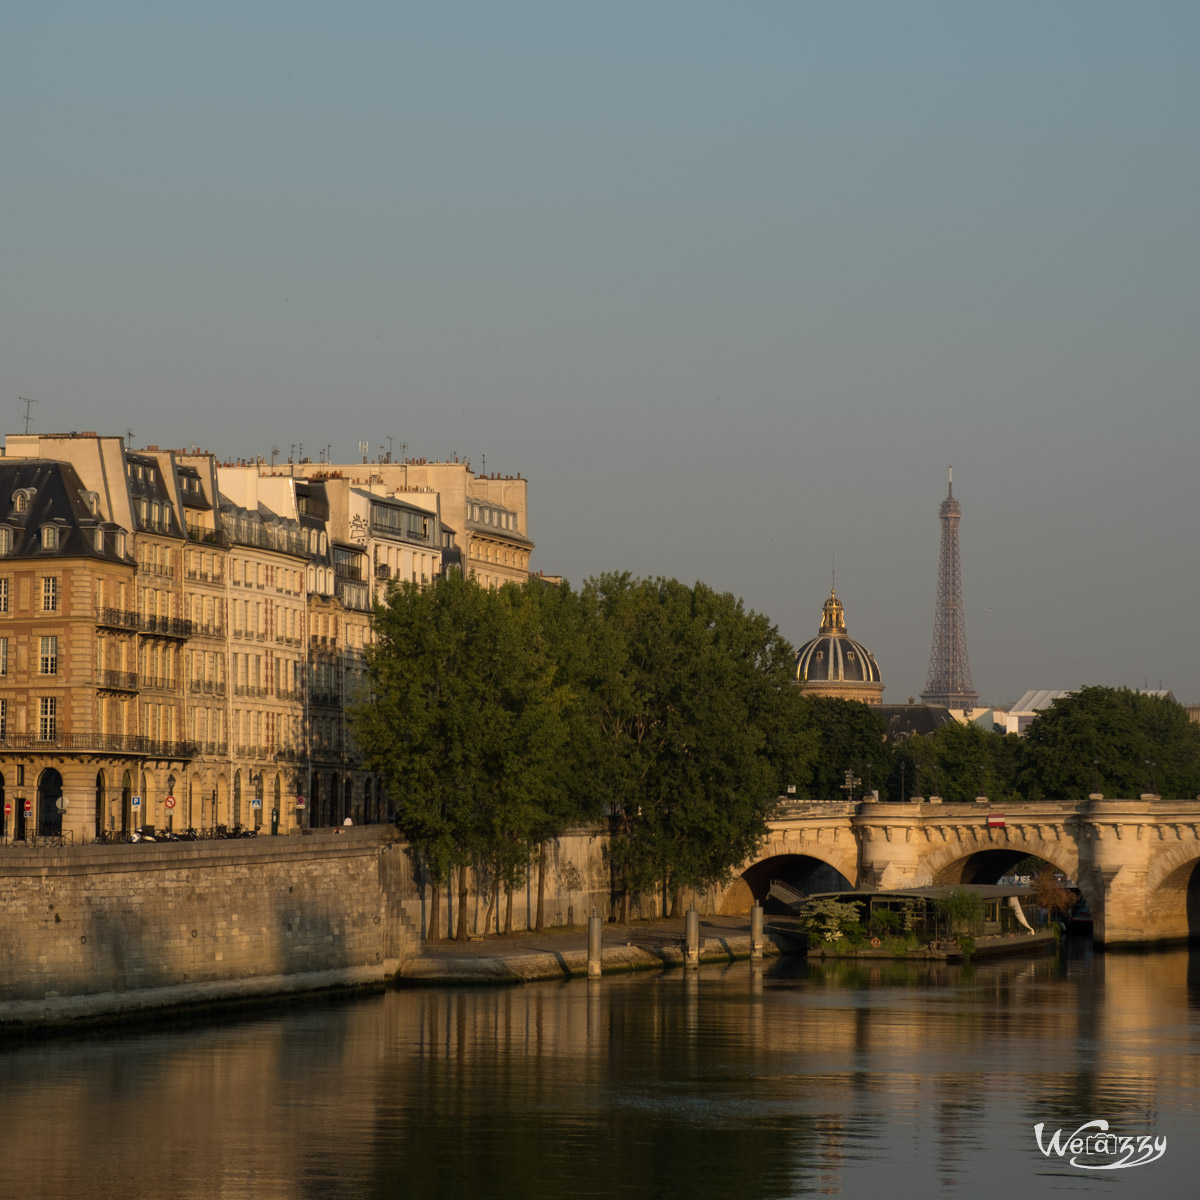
x=499 y=719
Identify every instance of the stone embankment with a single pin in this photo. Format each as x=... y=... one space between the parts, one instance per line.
x=95 y=930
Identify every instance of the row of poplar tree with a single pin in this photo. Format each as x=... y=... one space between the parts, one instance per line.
x=502 y=718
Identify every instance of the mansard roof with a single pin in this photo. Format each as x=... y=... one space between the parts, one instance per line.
x=37 y=492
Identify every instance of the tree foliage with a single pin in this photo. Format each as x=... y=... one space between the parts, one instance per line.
x=959 y=762
x=466 y=723
x=1115 y=741
x=845 y=735
x=689 y=692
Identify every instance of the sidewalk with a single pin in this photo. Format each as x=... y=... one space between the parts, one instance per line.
x=561 y=953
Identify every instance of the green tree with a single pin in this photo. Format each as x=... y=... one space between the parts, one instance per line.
x=558 y=621
x=465 y=723
x=959 y=762
x=1114 y=740
x=850 y=738
x=687 y=688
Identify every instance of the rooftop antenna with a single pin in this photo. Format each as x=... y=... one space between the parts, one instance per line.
x=363 y=447
x=128 y=439
x=27 y=402
x=389 y=449
x=483 y=459
x=274 y=456
x=950 y=490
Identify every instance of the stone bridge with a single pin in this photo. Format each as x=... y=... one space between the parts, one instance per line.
x=1134 y=861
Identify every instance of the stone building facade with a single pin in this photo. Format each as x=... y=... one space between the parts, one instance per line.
x=180 y=639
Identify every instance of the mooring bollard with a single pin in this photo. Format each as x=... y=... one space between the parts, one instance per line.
x=594 y=932
x=756 y=932
x=692 y=956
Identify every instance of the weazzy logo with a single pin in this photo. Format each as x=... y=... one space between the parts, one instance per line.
x=1093 y=1148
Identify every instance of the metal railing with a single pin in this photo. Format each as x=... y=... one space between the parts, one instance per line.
x=124 y=680
x=117 y=617
x=111 y=743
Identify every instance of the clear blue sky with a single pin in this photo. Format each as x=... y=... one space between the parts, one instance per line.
x=732 y=284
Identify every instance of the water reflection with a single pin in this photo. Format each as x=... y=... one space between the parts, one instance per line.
x=747 y=1081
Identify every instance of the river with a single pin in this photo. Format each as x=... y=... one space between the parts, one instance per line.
x=736 y=1082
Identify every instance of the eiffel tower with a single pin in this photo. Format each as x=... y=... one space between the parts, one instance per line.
x=949 y=681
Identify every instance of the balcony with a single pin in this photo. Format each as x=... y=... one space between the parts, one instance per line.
x=206 y=687
x=146 y=568
x=151 y=683
x=250 y=689
x=178 y=627
x=117 y=618
x=211 y=537
x=99 y=743
x=383 y=571
x=325 y=699
x=121 y=681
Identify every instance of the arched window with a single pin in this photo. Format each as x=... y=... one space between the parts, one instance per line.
x=6 y=540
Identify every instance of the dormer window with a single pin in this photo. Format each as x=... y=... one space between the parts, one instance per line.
x=98 y=539
x=49 y=537
x=6 y=541
x=22 y=499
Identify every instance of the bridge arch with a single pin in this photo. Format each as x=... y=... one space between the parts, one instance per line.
x=806 y=873
x=986 y=862
x=1173 y=893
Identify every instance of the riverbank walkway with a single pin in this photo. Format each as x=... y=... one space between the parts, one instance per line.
x=561 y=952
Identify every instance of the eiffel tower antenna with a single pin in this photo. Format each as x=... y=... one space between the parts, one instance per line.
x=949 y=681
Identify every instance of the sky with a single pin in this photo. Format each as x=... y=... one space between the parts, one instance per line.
x=732 y=285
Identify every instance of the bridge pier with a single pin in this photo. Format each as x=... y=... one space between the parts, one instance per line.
x=890 y=846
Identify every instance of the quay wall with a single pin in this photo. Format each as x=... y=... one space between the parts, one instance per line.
x=96 y=929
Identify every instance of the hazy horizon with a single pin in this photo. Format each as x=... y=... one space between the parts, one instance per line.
x=732 y=288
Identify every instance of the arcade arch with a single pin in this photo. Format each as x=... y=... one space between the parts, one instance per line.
x=804 y=873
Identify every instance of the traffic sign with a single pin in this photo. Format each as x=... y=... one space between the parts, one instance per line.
x=8 y=808
x=136 y=802
x=28 y=806
x=61 y=804
x=256 y=803
x=299 y=801
x=170 y=801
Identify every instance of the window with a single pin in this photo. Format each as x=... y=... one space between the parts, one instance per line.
x=5 y=540
x=3 y=718
x=98 y=537
x=48 y=718
x=49 y=656
x=3 y=656
x=49 y=594
x=49 y=537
